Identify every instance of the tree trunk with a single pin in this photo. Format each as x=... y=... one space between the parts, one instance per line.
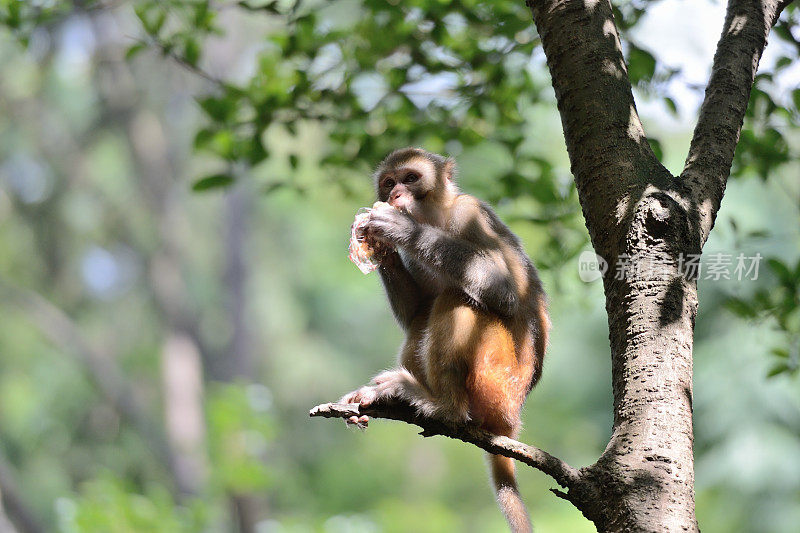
x=184 y=418
x=646 y=224
x=238 y=364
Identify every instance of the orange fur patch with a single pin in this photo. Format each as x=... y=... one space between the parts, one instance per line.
x=475 y=362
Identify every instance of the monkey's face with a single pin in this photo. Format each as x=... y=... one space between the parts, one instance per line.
x=405 y=186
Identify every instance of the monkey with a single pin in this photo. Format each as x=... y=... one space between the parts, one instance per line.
x=469 y=300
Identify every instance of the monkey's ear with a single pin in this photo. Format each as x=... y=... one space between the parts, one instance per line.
x=449 y=170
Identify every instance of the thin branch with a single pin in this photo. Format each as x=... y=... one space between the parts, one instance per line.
x=744 y=36
x=564 y=474
x=15 y=506
x=167 y=51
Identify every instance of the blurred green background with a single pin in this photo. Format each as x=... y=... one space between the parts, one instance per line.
x=177 y=181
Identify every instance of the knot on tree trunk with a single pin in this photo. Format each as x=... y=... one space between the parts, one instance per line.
x=662 y=216
x=664 y=223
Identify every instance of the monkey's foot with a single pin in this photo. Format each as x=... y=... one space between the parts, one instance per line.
x=349 y=412
x=361 y=422
x=364 y=397
x=390 y=384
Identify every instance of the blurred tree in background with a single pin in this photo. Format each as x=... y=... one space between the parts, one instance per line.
x=177 y=179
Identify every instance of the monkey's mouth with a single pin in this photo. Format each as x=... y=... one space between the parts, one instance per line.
x=403 y=204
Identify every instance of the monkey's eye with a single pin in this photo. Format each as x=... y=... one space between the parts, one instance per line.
x=411 y=177
x=389 y=184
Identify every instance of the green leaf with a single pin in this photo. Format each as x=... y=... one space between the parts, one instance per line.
x=214 y=181
x=655 y=144
x=783 y=353
x=782 y=271
x=784 y=33
x=269 y=188
x=641 y=65
x=221 y=142
x=779 y=368
x=270 y=7
x=14 y=18
x=741 y=308
x=220 y=108
x=135 y=50
x=758 y=234
x=203 y=138
x=783 y=62
x=191 y=52
x=792 y=318
x=152 y=18
x=203 y=16
x=671 y=105
x=255 y=152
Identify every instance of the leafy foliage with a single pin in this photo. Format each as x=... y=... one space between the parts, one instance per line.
x=241 y=430
x=108 y=505
x=780 y=302
x=762 y=147
x=417 y=72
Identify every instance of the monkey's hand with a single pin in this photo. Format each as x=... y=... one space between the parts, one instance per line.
x=386 y=255
x=389 y=225
x=382 y=252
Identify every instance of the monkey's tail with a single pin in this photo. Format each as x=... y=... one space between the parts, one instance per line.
x=508 y=496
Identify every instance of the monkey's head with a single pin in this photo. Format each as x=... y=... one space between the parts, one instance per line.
x=415 y=181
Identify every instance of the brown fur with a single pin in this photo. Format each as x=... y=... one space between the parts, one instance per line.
x=471 y=304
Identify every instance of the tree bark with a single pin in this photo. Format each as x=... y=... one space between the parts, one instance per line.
x=646 y=224
x=744 y=36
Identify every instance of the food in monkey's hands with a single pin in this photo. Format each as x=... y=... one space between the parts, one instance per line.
x=365 y=252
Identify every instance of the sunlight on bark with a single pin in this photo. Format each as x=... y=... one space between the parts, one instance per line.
x=622 y=208
x=737 y=24
x=635 y=130
x=611 y=68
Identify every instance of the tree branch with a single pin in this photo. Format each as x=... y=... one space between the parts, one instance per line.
x=609 y=153
x=564 y=474
x=744 y=36
x=13 y=504
x=167 y=51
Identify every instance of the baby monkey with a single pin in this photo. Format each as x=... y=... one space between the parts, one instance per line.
x=470 y=302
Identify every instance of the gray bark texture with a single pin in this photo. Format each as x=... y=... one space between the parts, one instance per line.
x=640 y=216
